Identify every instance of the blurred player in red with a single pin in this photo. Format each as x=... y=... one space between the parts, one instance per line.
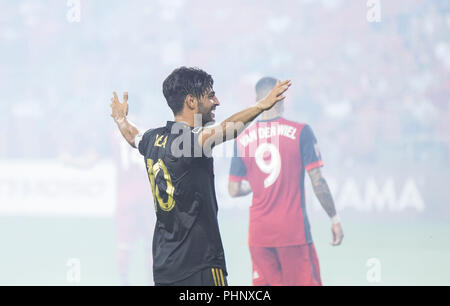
x=134 y=212
x=273 y=155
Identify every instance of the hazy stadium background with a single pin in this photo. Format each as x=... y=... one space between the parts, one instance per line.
x=375 y=93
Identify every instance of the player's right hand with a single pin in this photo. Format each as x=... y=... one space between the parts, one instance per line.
x=119 y=110
x=274 y=96
x=338 y=234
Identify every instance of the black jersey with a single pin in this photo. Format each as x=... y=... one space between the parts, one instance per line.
x=186 y=238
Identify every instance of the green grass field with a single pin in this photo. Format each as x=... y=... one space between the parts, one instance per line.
x=35 y=251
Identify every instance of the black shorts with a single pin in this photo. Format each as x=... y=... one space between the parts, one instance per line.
x=206 y=277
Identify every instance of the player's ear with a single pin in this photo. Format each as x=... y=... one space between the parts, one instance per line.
x=191 y=102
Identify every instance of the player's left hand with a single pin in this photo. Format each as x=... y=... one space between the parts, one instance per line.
x=338 y=234
x=119 y=110
x=274 y=96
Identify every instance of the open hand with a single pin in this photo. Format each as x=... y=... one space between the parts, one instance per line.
x=274 y=96
x=119 y=110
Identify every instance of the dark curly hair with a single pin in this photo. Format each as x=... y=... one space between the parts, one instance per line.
x=182 y=82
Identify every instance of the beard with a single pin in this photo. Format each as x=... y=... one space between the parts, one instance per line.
x=206 y=114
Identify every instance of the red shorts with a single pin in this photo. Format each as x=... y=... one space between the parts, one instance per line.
x=285 y=266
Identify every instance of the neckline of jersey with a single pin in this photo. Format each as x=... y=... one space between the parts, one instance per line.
x=170 y=123
x=267 y=120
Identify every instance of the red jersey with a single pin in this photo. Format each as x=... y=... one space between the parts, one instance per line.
x=272 y=156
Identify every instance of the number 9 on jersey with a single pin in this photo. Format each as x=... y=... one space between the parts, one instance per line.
x=272 y=166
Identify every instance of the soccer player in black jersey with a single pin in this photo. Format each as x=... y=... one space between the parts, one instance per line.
x=187 y=248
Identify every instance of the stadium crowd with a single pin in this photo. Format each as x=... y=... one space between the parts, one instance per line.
x=375 y=93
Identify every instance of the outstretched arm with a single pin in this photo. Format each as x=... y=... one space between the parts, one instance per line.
x=119 y=114
x=323 y=194
x=231 y=127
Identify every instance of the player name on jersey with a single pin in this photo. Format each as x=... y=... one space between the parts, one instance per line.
x=264 y=132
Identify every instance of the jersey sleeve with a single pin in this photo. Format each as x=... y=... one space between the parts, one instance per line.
x=310 y=154
x=141 y=142
x=238 y=171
